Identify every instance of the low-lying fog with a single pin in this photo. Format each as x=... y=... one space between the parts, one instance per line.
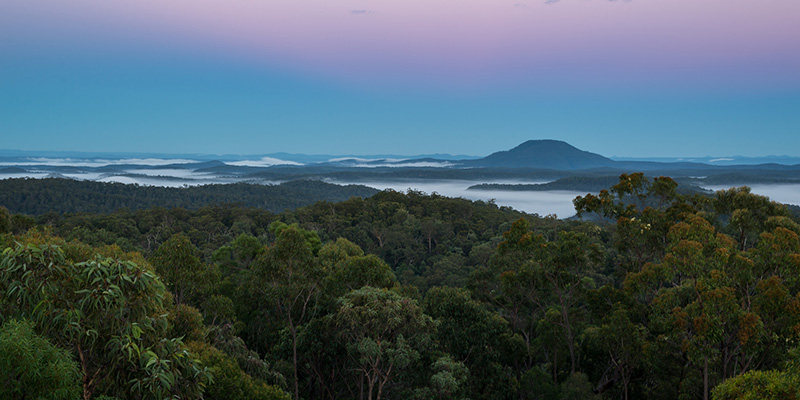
x=144 y=177
x=782 y=193
x=557 y=202
x=539 y=202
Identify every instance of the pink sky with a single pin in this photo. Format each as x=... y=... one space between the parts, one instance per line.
x=454 y=41
x=613 y=77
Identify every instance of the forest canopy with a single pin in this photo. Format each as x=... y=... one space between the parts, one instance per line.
x=58 y=195
x=655 y=293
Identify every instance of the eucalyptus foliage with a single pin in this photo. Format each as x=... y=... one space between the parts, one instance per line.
x=33 y=368
x=108 y=313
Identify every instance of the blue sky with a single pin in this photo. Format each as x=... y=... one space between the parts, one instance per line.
x=635 y=78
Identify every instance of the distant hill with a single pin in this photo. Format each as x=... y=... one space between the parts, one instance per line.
x=581 y=183
x=718 y=161
x=12 y=170
x=533 y=160
x=543 y=154
x=40 y=196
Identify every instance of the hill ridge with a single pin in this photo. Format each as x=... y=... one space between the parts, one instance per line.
x=544 y=153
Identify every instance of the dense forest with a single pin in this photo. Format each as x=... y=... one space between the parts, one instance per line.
x=59 y=195
x=655 y=293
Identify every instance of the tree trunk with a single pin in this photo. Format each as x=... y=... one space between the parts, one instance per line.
x=571 y=347
x=625 y=386
x=88 y=382
x=383 y=382
x=294 y=363
x=705 y=378
x=370 y=387
x=87 y=392
x=555 y=366
x=570 y=339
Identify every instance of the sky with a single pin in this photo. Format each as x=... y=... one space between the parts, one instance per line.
x=627 y=78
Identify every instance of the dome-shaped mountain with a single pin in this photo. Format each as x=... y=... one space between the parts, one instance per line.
x=547 y=154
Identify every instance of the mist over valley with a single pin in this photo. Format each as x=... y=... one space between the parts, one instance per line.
x=538 y=177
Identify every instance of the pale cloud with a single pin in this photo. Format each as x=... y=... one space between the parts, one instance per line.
x=263 y=162
x=418 y=164
x=74 y=162
x=364 y=160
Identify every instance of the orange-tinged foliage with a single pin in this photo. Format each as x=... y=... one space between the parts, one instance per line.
x=700 y=325
x=38 y=236
x=685 y=345
x=749 y=324
x=794 y=306
x=726 y=242
x=717 y=275
x=773 y=288
x=680 y=317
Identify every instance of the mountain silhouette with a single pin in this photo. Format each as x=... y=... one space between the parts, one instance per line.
x=545 y=154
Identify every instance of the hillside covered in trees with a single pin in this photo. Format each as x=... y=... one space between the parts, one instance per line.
x=406 y=296
x=59 y=195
